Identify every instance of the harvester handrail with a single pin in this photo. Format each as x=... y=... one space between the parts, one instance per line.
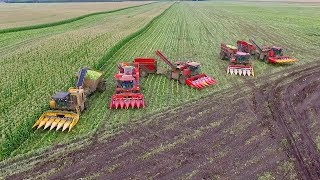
x=255 y=44
x=82 y=74
x=158 y=53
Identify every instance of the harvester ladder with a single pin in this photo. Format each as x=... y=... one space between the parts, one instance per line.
x=82 y=74
x=255 y=44
x=158 y=53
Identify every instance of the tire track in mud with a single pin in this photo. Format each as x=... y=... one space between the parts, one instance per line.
x=283 y=106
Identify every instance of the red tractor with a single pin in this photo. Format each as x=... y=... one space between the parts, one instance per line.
x=239 y=62
x=187 y=73
x=271 y=54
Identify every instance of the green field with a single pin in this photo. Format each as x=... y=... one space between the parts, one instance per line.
x=36 y=63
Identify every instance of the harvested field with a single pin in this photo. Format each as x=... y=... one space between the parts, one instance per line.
x=24 y=14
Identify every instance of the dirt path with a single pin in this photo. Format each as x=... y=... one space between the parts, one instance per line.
x=234 y=135
x=289 y=101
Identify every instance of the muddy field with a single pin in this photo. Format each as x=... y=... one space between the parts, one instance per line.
x=268 y=132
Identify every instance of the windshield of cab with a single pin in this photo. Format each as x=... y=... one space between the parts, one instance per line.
x=242 y=58
x=277 y=52
x=126 y=84
x=195 y=69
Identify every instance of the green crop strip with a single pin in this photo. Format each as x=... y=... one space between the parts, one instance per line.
x=127 y=39
x=45 y=25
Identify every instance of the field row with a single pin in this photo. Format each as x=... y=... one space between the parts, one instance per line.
x=26 y=14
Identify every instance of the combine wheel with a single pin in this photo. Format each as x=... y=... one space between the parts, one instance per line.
x=182 y=79
x=222 y=55
x=257 y=56
x=86 y=105
x=102 y=86
x=168 y=74
x=266 y=59
x=87 y=92
x=143 y=73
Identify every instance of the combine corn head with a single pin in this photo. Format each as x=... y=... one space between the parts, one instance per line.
x=187 y=73
x=67 y=106
x=239 y=61
x=126 y=100
x=58 y=120
x=199 y=81
x=272 y=54
x=127 y=88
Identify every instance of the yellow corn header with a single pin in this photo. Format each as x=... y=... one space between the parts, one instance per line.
x=57 y=119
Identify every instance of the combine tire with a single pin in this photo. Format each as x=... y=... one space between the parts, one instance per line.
x=182 y=79
x=102 y=86
x=86 y=105
x=143 y=73
x=257 y=56
x=168 y=75
x=222 y=55
x=266 y=59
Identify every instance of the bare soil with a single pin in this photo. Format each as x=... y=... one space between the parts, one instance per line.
x=289 y=104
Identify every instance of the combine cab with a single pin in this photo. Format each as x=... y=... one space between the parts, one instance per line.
x=187 y=73
x=239 y=61
x=128 y=88
x=67 y=106
x=271 y=54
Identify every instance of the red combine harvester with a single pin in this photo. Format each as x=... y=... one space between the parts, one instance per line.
x=271 y=54
x=128 y=86
x=187 y=73
x=239 y=61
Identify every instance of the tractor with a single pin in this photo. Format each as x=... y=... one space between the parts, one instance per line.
x=67 y=106
x=239 y=62
x=187 y=73
x=271 y=54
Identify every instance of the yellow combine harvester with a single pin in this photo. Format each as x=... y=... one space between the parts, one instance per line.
x=67 y=106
